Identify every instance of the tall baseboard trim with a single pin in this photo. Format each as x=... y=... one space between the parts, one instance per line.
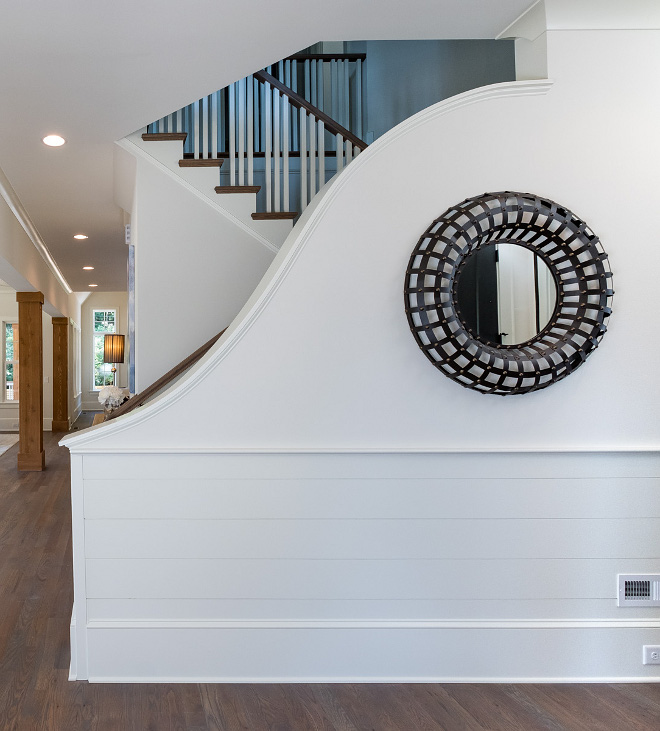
x=121 y=653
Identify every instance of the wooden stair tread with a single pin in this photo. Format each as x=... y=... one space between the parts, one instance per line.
x=211 y=162
x=274 y=216
x=237 y=188
x=165 y=136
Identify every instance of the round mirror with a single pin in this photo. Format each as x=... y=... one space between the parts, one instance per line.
x=539 y=331
x=505 y=294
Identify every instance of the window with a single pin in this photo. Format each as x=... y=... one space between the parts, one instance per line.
x=104 y=322
x=11 y=361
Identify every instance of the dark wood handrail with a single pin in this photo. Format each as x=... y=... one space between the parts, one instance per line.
x=163 y=381
x=327 y=57
x=265 y=78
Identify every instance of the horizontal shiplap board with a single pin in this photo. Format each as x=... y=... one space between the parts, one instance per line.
x=537 y=465
x=365 y=609
x=373 y=539
x=353 y=579
x=232 y=498
x=309 y=655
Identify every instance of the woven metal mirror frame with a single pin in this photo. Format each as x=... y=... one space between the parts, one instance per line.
x=575 y=258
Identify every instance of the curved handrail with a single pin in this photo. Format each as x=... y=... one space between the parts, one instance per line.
x=163 y=381
x=265 y=78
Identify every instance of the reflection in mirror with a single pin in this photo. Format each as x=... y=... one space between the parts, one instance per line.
x=505 y=294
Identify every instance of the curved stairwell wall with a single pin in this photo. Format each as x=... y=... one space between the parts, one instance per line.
x=314 y=501
x=182 y=236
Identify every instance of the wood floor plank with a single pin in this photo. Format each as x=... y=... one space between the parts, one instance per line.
x=36 y=593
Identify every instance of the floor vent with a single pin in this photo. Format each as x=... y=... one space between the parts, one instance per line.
x=639 y=590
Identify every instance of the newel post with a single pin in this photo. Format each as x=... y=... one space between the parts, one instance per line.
x=31 y=456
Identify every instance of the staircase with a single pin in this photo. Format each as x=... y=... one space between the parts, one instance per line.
x=263 y=148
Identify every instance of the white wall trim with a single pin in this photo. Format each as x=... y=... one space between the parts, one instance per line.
x=292 y=248
x=17 y=208
x=137 y=151
x=609 y=449
x=377 y=624
x=374 y=679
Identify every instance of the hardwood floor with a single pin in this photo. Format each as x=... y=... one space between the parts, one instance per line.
x=35 y=694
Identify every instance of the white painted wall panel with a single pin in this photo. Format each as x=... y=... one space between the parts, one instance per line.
x=211 y=464
x=373 y=539
x=358 y=579
x=379 y=654
x=364 y=610
x=385 y=498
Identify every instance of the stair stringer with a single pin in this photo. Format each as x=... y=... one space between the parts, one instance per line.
x=238 y=206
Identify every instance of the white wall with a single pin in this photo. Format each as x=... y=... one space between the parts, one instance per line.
x=22 y=266
x=391 y=524
x=101 y=301
x=195 y=269
x=404 y=77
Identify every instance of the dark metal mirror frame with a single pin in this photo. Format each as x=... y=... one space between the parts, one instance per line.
x=573 y=254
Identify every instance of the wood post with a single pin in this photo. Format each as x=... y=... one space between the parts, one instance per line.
x=31 y=456
x=60 y=374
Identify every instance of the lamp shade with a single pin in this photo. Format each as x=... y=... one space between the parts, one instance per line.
x=113 y=349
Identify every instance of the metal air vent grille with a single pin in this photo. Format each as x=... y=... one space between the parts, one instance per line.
x=639 y=590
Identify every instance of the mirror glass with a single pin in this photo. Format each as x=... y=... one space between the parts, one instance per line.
x=505 y=294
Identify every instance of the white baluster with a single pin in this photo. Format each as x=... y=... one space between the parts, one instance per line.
x=294 y=116
x=268 y=141
x=358 y=98
x=179 y=125
x=214 y=125
x=307 y=81
x=232 y=134
x=276 y=150
x=241 y=131
x=303 y=160
x=348 y=151
x=286 y=202
x=312 y=156
x=196 y=129
x=334 y=90
x=222 y=105
x=321 y=146
x=205 y=126
x=339 y=147
x=250 y=130
x=347 y=98
x=320 y=86
x=314 y=83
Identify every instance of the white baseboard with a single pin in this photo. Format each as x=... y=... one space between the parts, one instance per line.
x=9 y=423
x=125 y=653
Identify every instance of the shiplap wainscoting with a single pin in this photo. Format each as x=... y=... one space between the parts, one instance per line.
x=362 y=566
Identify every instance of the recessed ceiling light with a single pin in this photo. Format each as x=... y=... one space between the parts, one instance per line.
x=89 y=268
x=93 y=285
x=53 y=140
x=80 y=236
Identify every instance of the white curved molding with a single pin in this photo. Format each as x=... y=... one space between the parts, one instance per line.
x=13 y=201
x=285 y=260
x=375 y=624
x=137 y=151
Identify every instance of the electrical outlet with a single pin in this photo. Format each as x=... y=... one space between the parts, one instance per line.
x=651 y=655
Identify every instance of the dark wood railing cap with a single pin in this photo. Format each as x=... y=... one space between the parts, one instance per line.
x=265 y=78
x=165 y=380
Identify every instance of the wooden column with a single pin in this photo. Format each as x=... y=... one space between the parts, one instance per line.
x=60 y=374
x=31 y=456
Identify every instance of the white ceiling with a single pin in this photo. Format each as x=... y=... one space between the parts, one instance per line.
x=94 y=72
